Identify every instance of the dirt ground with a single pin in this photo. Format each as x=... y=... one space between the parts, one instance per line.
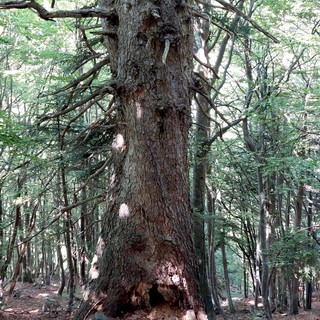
x=245 y=311
x=29 y=306
x=30 y=302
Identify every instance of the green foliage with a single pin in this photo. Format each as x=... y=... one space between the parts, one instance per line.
x=295 y=253
x=9 y=131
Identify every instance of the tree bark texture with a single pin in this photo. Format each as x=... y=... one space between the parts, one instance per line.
x=145 y=255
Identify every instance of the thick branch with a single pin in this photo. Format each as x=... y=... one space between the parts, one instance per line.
x=47 y=15
x=250 y=143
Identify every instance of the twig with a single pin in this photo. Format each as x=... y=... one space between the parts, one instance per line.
x=85 y=39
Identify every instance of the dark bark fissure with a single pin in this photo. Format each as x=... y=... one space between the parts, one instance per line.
x=145 y=256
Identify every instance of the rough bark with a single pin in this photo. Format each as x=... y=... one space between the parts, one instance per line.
x=145 y=255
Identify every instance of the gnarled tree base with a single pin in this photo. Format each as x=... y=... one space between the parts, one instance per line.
x=162 y=311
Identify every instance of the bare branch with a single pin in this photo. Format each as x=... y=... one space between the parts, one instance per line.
x=86 y=41
x=231 y=7
x=94 y=97
x=84 y=76
x=60 y=214
x=206 y=65
x=209 y=100
x=96 y=173
x=47 y=15
x=222 y=131
x=106 y=114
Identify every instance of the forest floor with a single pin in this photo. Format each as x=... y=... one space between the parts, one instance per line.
x=245 y=311
x=30 y=303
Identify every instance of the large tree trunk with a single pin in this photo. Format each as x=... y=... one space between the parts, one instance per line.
x=145 y=256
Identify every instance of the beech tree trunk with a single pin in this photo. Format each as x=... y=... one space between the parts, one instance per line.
x=145 y=255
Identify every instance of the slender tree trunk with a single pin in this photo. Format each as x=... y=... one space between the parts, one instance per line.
x=257 y=279
x=245 y=278
x=199 y=200
x=11 y=245
x=212 y=258
x=258 y=144
x=1 y=230
x=200 y=168
x=264 y=245
x=16 y=271
x=67 y=224
x=226 y=275
x=2 y=273
x=48 y=266
x=145 y=255
x=201 y=165
x=293 y=284
x=22 y=246
x=82 y=255
x=249 y=251
x=26 y=275
x=67 y=227
x=58 y=202
x=308 y=303
x=62 y=273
